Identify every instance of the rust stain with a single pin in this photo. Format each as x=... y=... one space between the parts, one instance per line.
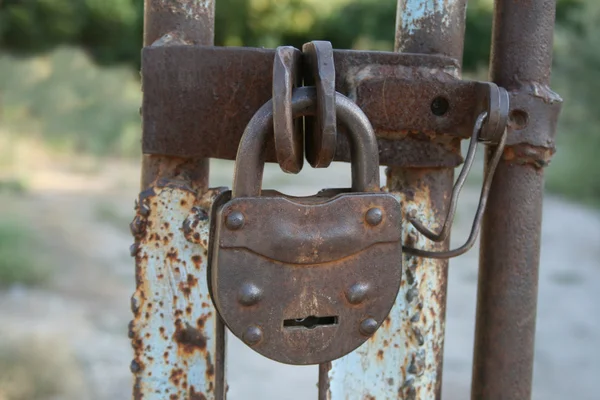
x=185 y=289
x=176 y=376
x=196 y=395
x=192 y=280
x=188 y=338
x=197 y=261
x=525 y=154
x=387 y=321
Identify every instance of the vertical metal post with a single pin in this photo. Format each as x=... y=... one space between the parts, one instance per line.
x=510 y=240
x=177 y=337
x=404 y=358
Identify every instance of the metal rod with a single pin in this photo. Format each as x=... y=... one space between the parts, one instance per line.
x=404 y=358
x=485 y=189
x=458 y=185
x=177 y=337
x=510 y=240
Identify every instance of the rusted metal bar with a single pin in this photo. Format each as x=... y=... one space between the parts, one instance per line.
x=432 y=108
x=177 y=337
x=404 y=358
x=510 y=241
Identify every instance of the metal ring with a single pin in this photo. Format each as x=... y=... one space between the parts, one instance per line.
x=498 y=104
x=321 y=131
x=289 y=139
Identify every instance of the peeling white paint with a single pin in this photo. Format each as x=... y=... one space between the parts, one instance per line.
x=172 y=294
x=411 y=14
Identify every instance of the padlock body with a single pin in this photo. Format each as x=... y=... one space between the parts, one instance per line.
x=305 y=280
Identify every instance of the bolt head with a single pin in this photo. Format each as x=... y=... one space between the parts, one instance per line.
x=249 y=294
x=357 y=293
x=252 y=336
x=368 y=326
x=374 y=216
x=235 y=220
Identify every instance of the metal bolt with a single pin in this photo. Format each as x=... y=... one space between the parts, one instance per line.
x=250 y=294
x=374 y=216
x=235 y=220
x=368 y=326
x=357 y=293
x=253 y=335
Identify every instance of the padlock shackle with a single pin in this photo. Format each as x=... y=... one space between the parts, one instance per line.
x=364 y=151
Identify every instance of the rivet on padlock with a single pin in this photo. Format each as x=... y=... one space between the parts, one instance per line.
x=305 y=280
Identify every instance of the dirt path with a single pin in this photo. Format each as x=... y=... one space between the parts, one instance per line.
x=84 y=311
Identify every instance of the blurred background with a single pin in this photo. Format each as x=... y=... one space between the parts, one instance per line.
x=70 y=166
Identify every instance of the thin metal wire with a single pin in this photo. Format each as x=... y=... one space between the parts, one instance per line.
x=462 y=178
x=485 y=190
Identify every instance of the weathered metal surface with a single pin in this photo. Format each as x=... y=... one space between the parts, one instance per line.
x=177 y=337
x=510 y=241
x=289 y=137
x=176 y=122
x=431 y=27
x=320 y=130
x=306 y=280
x=329 y=260
x=417 y=133
x=191 y=21
x=178 y=353
x=432 y=108
x=189 y=112
x=404 y=357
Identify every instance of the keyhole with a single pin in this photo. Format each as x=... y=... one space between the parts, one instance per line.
x=310 y=322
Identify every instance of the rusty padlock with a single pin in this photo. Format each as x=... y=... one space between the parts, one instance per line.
x=305 y=280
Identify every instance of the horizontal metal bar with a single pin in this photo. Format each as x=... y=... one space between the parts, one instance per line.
x=199 y=100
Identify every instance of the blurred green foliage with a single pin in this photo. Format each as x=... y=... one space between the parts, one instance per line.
x=575 y=169
x=71 y=103
x=17 y=260
x=75 y=105
x=111 y=30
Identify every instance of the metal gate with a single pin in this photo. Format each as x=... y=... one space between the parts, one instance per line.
x=420 y=110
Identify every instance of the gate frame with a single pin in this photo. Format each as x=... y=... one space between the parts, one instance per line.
x=180 y=351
